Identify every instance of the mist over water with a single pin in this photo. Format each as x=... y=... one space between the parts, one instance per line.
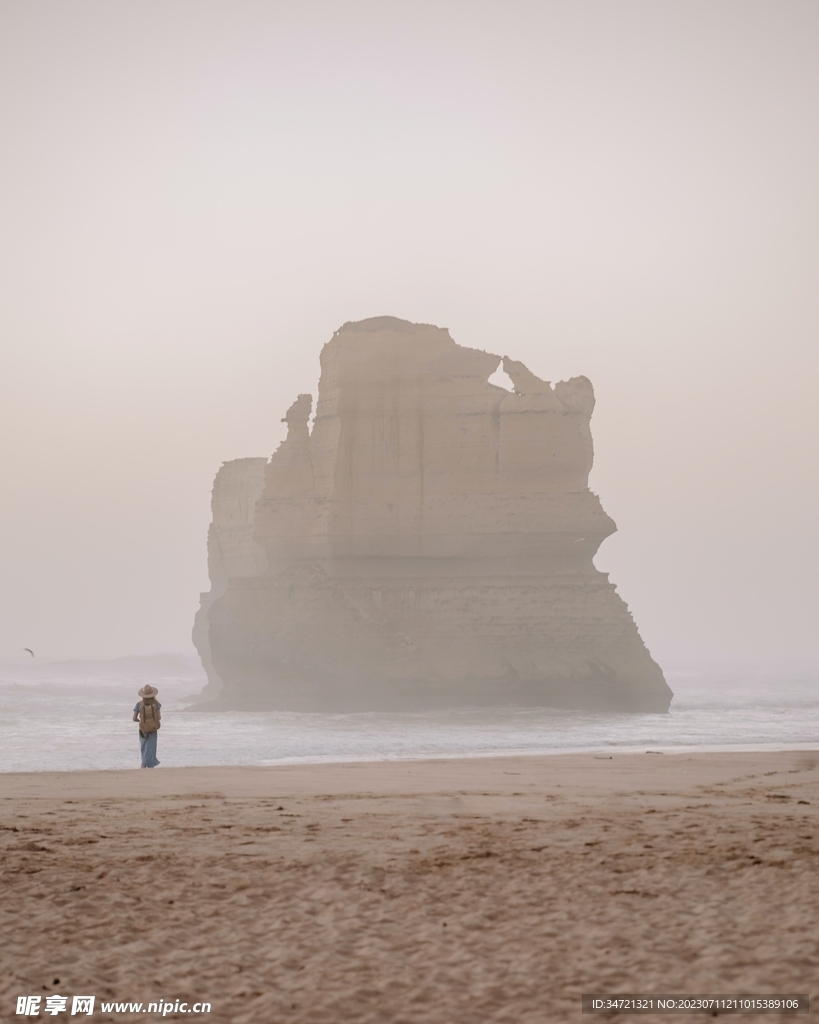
x=75 y=715
x=625 y=192
x=195 y=195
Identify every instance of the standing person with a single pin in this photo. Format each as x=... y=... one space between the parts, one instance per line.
x=146 y=712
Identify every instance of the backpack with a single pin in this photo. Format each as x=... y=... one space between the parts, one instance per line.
x=149 y=716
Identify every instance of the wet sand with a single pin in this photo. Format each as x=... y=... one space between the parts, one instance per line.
x=437 y=892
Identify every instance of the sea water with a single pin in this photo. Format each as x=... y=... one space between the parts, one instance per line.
x=76 y=715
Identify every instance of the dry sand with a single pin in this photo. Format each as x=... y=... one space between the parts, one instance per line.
x=439 y=891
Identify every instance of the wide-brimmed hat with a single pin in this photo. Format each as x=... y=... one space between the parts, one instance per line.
x=148 y=691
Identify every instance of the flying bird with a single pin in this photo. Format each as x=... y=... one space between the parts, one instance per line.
x=29 y=651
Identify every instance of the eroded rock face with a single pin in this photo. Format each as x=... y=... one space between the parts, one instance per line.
x=428 y=544
x=232 y=550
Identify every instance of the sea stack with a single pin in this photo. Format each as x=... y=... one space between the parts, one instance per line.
x=428 y=544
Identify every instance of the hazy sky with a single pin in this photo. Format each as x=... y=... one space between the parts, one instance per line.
x=194 y=195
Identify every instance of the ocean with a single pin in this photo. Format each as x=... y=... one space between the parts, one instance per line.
x=73 y=715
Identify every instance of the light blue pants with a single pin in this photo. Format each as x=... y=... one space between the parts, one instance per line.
x=147 y=747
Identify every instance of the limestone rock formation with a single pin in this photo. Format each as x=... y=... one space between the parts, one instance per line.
x=232 y=551
x=428 y=544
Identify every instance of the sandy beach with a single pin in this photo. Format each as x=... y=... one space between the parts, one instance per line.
x=436 y=892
